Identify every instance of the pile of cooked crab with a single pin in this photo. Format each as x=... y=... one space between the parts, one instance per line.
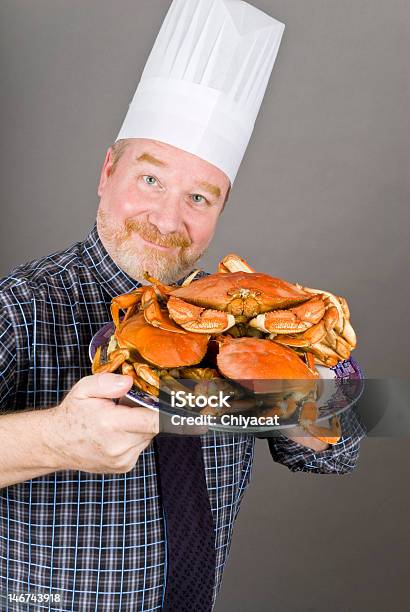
x=240 y=331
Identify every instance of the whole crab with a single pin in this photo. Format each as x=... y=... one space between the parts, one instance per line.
x=146 y=352
x=271 y=370
x=246 y=302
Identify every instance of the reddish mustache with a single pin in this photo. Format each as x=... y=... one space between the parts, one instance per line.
x=151 y=233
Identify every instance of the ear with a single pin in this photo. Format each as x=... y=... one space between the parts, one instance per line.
x=105 y=171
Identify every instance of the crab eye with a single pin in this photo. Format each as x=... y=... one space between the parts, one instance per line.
x=150 y=180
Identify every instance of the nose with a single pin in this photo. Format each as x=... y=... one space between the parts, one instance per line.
x=167 y=215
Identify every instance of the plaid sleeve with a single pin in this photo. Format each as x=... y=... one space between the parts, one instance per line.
x=8 y=362
x=340 y=458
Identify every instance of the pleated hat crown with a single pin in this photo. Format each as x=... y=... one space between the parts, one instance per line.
x=205 y=79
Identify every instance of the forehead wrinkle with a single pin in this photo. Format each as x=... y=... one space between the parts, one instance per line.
x=147 y=157
x=213 y=189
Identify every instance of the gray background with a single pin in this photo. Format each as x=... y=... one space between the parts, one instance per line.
x=322 y=198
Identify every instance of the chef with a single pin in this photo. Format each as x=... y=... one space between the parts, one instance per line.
x=98 y=511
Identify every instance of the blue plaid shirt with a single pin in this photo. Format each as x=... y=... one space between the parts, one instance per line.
x=98 y=540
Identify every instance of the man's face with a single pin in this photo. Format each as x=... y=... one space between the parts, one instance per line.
x=158 y=208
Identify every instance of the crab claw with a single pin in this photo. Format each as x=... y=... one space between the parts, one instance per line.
x=304 y=340
x=324 y=355
x=197 y=319
x=338 y=344
x=345 y=328
x=291 y=320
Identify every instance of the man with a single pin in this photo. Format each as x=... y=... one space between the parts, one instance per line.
x=86 y=524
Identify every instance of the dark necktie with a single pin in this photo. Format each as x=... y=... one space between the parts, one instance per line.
x=191 y=556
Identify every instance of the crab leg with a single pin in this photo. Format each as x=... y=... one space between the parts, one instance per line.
x=190 y=278
x=116 y=359
x=145 y=296
x=146 y=373
x=234 y=263
x=138 y=381
x=143 y=376
x=326 y=346
x=324 y=355
x=304 y=340
x=126 y=301
x=196 y=319
x=343 y=326
x=338 y=344
x=310 y=362
x=153 y=313
x=162 y=289
x=346 y=330
x=314 y=339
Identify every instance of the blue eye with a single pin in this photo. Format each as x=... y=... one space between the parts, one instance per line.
x=150 y=180
x=197 y=198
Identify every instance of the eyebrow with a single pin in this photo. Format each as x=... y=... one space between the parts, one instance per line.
x=213 y=189
x=147 y=157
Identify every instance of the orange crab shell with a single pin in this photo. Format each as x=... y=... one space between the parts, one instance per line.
x=165 y=349
x=242 y=293
x=264 y=366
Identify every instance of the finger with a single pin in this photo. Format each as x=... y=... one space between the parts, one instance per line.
x=103 y=385
x=136 y=420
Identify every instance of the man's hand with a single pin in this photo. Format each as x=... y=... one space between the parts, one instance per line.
x=89 y=432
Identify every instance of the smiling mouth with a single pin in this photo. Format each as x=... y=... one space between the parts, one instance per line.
x=154 y=244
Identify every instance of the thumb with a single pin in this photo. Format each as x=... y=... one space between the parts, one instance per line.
x=103 y=385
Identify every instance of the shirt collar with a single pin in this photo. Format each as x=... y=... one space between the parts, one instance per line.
x=112 y=278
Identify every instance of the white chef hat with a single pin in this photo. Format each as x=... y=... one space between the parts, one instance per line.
x=205 y=79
